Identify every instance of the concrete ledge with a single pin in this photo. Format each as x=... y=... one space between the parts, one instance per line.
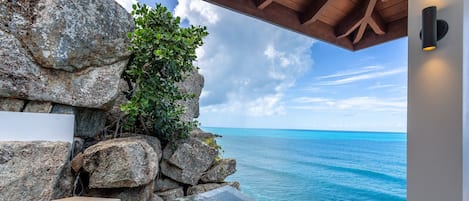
x=88 y=199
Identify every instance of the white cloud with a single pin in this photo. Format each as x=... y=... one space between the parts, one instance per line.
x=263 y=106
x=247 y=64
x=354 y=103
x=127 y=4
x=362 y=76
x=352 y=72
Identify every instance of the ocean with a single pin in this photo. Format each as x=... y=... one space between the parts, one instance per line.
x=311 y=165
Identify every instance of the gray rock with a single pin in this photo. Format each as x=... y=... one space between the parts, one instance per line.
x=163 y=184
x=38 y=107
x=11 y=104
x=156 y=198
x=202 y=135
x=88 y=122
x=142 y=193
x=202 y=188
x=35 y=171
x=21 y=77
x=220 y=171
x=78 y=145
x=188 y=160
x=69 y=35
x=154 y=142
x=121 y=162
x=115 y=113
x=192 y=85
x=185 y=176
x=171 y=194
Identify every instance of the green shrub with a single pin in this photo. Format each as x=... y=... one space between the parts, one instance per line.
x=163 y=53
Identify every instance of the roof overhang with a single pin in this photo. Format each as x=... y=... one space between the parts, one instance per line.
x=350 y=24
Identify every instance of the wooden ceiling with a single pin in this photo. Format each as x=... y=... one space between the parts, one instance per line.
x=351 y=24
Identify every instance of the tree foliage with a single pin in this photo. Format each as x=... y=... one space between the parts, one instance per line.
x=163 y=53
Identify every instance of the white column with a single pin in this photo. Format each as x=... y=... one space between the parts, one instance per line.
x=438 y=105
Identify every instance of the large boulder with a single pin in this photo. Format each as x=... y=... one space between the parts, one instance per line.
x=192 y=85
x=69 y=35
x=121 y=162
x=220 y=171
x=35 y=171
x=62 y=51
x=188 y=161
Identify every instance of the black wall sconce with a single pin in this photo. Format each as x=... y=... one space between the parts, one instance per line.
x=433 y=29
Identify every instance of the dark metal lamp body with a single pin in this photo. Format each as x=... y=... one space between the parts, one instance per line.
x=432 y=29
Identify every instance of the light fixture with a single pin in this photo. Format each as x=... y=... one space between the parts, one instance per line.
x=432 y=29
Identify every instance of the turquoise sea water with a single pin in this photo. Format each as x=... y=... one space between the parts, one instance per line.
x=307 y=165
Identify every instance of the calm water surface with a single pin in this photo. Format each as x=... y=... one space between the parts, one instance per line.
x=307 y=165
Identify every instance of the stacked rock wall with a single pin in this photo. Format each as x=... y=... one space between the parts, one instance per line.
x=67 y=57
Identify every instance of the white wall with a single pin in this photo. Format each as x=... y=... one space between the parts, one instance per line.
x=436 y=130
x=23 y=126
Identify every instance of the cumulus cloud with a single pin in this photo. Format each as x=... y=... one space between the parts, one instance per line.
x=247 y=64
x=127 y=4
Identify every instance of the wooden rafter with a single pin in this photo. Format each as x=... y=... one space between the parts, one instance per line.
x=261 y=4
x=313 y=11
x=361 y=18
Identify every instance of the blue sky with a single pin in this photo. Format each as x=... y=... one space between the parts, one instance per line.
x=258 y=75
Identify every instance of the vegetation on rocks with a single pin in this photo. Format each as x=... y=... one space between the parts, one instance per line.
x=163 y=53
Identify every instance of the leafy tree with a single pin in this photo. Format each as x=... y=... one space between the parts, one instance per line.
x=163 y=53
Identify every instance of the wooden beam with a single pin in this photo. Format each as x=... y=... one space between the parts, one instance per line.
x=377 y=23
x=351 y=22
x=364 y=15
x=360 y=33
x=261 y=4
x=313 y=11
x=395 y=30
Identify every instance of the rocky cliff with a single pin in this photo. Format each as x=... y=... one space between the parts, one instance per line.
x=67 y=57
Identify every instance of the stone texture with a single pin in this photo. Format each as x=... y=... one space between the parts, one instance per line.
x=185 y=176
x=38 y=107
x=202 y=188
x=77 y=162
x=88 y=122
x=202 y=135
x=69 y=35
x=187 y=162
x=11 y=104
x=78 y=145
x=62 y=51
x=94 y=87
x=220 y=171
x=193 y=84
x=121 y=162
x=171 y=194
x=142 y=193
x=35 y=171
x=154 y=142
x=156 y=198
x=164 y=184
x=115 y=112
